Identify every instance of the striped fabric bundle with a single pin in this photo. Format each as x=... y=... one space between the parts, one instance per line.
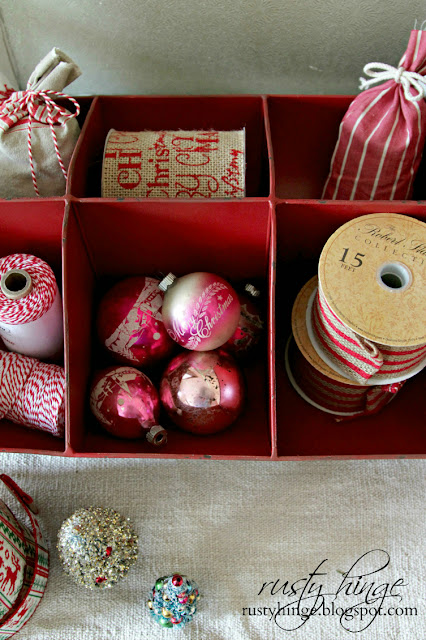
x=382 y=135
x=344 y=399
x=356 y=357
x=32 y=393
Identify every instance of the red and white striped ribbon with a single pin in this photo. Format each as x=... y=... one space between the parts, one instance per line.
x=39 y=300
x=32 y=393
x=382 y=135
x=37 y=106
x=333 y=396
x=356 y=357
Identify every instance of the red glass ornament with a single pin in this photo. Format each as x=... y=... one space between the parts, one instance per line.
x=130 y=325
x=200 y=310
x=203 y=391
x=126 y=404
x=250 y=325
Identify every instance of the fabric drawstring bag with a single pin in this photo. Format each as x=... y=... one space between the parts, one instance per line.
x=382 y=134
x=38 y=135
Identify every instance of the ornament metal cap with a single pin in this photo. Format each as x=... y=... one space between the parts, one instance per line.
x=252 y=290
x=157 y=435
x=167 y=282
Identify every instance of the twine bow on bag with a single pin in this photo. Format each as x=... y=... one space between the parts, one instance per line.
x=34 y=127
x=38 y=106
x=382 y=135
x=380 y=72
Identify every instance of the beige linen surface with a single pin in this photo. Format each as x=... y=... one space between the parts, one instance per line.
x=231 y=526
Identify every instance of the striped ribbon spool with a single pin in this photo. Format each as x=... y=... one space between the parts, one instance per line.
x=344 y=400
x=356 y=357
x=316 y=382
x=36 y=563
x=30 y=306
x=32 y=393
x=368 y=316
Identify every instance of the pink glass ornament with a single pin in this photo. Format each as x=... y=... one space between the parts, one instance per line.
x=250 y=324
x=203 y=391
x=200 y=310
x=130 y=324
x=126 y=404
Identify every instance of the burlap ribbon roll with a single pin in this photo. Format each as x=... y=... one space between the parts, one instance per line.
x=174 y=164
x=342 y=399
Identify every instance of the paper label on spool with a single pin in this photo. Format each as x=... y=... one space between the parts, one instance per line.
x=372 y=272
x=42 y=338
x=174 y=164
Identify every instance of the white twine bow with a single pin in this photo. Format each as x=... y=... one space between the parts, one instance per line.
x=380 y=72
x=17 y=104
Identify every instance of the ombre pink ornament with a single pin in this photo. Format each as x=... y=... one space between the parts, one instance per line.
x=203 y=391
x=130 y=324
x=126 y=404
x=250 y=325
x=200 y=310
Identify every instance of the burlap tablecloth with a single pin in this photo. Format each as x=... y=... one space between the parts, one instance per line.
x=232 y=526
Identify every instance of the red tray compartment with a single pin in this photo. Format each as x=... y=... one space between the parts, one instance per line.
x=109 y=240
x=304 y=432
x=32 y=226
x=138 y=113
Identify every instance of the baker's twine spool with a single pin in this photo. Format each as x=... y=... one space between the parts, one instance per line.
x=32 y=393
x=30 y=307
x=343 y=400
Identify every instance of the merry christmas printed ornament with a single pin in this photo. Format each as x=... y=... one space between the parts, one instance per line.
x=200 y=310
x=97 y=547
x=126 y=404
x=203 y=392
x=174 y=600
x=130 y=325
x=250 y=325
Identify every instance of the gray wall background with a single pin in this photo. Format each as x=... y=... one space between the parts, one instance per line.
x=211 y=46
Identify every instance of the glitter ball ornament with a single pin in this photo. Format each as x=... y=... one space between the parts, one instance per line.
x=130 y=324
x=200 y=310
x=97 y=547
x=126 y=403
x=250 y=324
x=174 y=600
x=203 y=391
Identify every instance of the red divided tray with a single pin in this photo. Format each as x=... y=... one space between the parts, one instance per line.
x=274 y=237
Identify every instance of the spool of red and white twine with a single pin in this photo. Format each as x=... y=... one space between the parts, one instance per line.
x=30 y=307
x=32 y=393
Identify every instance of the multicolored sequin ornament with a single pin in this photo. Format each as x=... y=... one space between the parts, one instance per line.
x=97 y=547
x=174 y=600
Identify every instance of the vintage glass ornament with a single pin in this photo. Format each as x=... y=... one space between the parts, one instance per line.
x=200 y=310
x=203 y=391
x=130 y=325
x=174 y=600
x=97 y=547
x=250 y=325
x=126 y=404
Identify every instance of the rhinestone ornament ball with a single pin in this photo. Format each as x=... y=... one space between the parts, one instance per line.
x=97 y=547
x=174 y=600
